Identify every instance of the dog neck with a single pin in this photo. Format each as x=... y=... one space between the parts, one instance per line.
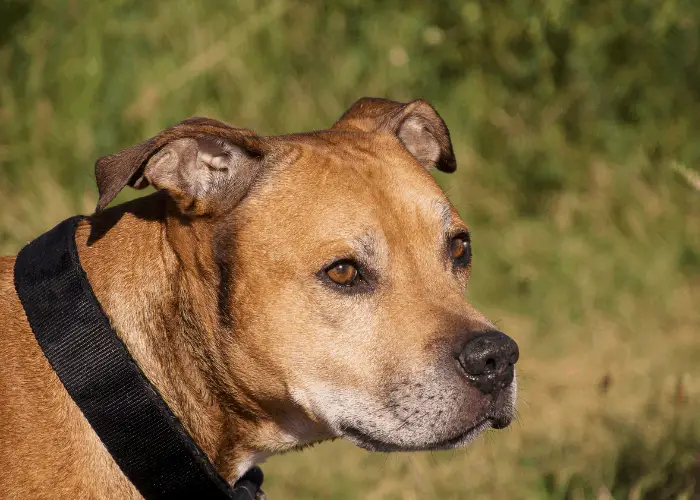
x=165 y=305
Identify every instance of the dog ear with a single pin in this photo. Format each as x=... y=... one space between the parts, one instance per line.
x=416 y=124
x=200 y=162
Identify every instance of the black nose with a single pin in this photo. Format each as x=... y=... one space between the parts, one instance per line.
x=488 y=360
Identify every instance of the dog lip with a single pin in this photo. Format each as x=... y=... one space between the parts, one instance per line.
x=500 y=422
x=370 y=443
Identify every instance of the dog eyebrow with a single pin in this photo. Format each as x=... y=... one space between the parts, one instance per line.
x=444 y=211
x=367 y=247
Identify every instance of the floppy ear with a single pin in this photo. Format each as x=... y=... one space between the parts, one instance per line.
x=202 y=163
x=416 y=124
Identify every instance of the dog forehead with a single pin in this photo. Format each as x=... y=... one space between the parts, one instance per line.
x=362 y=171
x=334 y=186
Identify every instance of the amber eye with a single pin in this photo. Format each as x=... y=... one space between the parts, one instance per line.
x=460 y=248
x=343 y=273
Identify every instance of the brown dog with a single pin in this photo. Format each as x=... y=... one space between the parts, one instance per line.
x=279 y=291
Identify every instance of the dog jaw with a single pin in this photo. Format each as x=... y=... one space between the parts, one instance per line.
x=435 y=423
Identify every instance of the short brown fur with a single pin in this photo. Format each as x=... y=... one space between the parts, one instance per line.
x=215 y=284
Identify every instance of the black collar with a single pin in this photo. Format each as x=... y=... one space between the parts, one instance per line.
x=127 y=412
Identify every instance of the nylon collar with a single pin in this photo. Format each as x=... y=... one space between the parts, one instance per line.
x=145 y=438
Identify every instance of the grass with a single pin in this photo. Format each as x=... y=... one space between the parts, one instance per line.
x=579 y=184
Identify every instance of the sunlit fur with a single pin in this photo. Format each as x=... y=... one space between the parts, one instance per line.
x=219 y=296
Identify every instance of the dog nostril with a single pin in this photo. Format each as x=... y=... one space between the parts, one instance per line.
x=507 y=377
x=488 y=360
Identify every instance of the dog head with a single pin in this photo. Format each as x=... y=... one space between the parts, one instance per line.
x=336 y=270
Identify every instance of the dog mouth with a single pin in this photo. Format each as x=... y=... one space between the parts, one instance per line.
x=371 y=443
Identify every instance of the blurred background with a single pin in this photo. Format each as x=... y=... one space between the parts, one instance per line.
x=576 y=127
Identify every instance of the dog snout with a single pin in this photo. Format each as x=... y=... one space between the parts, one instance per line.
x=488 y=360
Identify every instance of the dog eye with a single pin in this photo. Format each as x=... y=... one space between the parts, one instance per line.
x=343 y=273
x=460 y=249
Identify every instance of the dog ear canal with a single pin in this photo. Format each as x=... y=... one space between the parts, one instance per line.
x=203 y=164
x=416 y=124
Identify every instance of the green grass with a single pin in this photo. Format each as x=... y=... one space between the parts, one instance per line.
x=575 y=126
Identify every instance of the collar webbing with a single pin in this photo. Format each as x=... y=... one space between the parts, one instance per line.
x=127 y=412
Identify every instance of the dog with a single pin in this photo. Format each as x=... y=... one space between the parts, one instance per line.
x=279 y=292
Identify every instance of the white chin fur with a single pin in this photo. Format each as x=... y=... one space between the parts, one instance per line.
x=346 y=410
